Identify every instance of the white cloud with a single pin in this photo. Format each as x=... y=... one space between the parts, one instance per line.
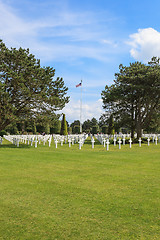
x=72 y=110
x=145 y=44
x=64 y=35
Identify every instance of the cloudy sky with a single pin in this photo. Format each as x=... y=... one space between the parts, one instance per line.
x=85 y=39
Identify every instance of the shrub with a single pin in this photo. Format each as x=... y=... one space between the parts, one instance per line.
x=3 y=132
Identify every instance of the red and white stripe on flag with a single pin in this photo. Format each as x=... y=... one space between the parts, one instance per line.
x=78 y=85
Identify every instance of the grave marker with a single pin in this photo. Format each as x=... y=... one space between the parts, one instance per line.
x=119 y=141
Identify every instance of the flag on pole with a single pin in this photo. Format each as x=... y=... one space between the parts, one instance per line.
x=78 y=85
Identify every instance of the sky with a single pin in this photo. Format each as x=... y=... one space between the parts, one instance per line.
x=83 y=40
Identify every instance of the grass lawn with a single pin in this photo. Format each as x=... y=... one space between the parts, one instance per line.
x=67 y=193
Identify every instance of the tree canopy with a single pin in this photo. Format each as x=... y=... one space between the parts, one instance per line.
x=26 y=88
x=134 y=98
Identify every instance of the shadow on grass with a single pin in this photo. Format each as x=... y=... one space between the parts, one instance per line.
x=10 y=145
x=88 y=141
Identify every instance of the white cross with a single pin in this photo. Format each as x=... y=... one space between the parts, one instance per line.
x=36 y=142
x=69 y=141
x=61 y=141
x=107 y=142
x=56 y=141
x=130 y=142
x=92 y=142
x=124 y=140
x=72 y=141
x=119 y=141
x=156 y=140
x=49 y=141
x=140 y=142
x=31 y=141
x=18 y=142
x=80 y=142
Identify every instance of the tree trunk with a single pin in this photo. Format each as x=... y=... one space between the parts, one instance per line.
x=139 y=130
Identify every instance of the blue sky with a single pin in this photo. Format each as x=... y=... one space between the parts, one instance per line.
x=85 y=39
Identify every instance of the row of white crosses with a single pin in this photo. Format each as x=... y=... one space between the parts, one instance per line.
x=28 y=139
x=105 y=141
x=70 y=139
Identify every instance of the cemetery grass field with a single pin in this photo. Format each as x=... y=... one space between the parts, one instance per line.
x=67 y=193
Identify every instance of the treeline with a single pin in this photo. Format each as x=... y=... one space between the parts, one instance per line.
x=55 y=126
x=105 y=125
x=58 y=127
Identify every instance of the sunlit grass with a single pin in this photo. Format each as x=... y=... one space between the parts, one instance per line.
x=67 y=193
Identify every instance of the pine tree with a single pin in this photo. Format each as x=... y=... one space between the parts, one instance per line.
x=27 y=90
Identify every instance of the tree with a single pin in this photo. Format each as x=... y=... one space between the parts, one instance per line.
x=104 y=129
x=69 y=130
x=26 y=88
x=75 y=123
x=95 y=129
x=56 y=127
x=89 y=124
x=94 y=122
x=86 y=125
x=134 y=97
x=111 y=125
x=76 y=129
x=64 y=126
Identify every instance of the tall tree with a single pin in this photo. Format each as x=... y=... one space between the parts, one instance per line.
x=135 y=95
x=64 y=126
x=26 y=88
x=75 y=123
x=87 y=125
x=111 y=125
x=94 y=122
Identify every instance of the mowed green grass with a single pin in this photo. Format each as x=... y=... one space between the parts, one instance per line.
x=67 y=193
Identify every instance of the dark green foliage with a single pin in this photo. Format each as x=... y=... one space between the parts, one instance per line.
x=134 y=98
x=95 y=129
x=104 y=129
x=27 y=90
x=94 y=122
x=64 y=126
x=56 y=127
x=12 y=128
x=69 y=130
x=111 y=126
x=47 y=128
x=86 y=125
x=75 y=123
x=34 y=129
x=3 y=132
x=76 y=129
x=89 y=124
x=40 y=128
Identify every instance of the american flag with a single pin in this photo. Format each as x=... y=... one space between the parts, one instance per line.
x=78 y=85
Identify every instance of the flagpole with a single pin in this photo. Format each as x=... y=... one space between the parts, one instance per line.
x=81 y=110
